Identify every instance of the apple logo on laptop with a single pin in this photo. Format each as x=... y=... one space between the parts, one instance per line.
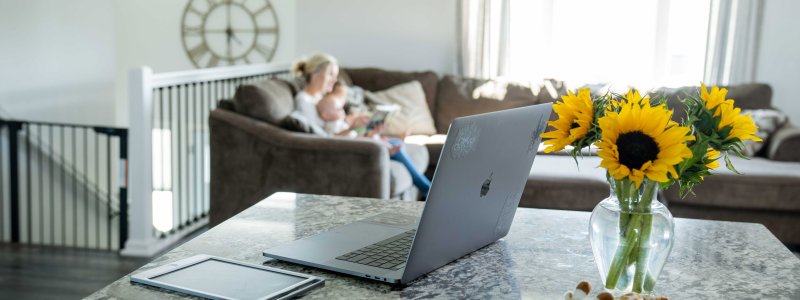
x=486 y=185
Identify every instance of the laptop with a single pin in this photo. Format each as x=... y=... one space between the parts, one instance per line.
x=482 y=170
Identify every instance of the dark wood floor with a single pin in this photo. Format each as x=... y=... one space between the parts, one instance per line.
x=33 y=272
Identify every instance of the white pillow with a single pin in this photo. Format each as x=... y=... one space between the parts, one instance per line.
x=768 y=122
x=413 y=114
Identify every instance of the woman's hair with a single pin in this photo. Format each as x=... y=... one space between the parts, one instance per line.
x=312 y=64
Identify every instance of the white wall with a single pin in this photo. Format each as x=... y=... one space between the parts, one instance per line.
x=57 y=60
x=778 y=62
x=67 y=61
x=393 y=34
x=148 y=32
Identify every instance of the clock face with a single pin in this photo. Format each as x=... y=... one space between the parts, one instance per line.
x=229 y=32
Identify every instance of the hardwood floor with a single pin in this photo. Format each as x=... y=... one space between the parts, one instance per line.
x=38 y=272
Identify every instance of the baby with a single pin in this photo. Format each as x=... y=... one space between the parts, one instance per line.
x=331 y=110
x=337 y=122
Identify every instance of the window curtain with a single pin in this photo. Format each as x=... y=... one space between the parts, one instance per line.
x=484 y=32
x=732 y=47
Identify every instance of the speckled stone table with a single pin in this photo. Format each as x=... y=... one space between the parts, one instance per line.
x=546 y=253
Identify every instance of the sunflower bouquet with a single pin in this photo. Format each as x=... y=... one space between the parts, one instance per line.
x=643 y=150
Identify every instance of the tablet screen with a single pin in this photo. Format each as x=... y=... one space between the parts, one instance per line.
x=229 y=280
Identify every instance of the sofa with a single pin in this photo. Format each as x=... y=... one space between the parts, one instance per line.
x=768 y=192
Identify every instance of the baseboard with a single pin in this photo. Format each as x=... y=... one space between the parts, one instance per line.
x=141 y=248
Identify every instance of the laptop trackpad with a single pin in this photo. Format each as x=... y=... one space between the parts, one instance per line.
x=340 y=240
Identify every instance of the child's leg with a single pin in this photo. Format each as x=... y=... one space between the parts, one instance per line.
x=419 y=179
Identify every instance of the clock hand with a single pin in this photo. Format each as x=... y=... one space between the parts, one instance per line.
x=233 y=35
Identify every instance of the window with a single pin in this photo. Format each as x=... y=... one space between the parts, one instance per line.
x=624 y=43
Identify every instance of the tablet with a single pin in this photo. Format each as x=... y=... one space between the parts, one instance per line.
x=220 y=278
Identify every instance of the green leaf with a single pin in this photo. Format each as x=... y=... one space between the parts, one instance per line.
x=729 y=164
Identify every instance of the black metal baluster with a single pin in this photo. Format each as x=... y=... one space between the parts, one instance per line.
x=123 y=190
x=28 y=181
x=13 y=179
x=86 y=187
x=74 y=187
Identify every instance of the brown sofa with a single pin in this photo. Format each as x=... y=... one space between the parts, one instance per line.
x=252 y=156
x=767 y=193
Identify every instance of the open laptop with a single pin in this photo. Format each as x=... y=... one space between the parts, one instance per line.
x=482 y=170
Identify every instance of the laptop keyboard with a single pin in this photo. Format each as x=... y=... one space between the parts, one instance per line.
x=388 y=254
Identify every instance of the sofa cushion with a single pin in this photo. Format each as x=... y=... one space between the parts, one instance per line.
x=764 y=184
x=556 y=182
x=373 y=79
x=400 y=178
x=460 y=97
x=747 y=96
x=270 y=101
x=297 y=122
x=751 y=95
x=413 y=115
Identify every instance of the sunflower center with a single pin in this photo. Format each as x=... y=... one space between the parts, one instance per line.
x=636 y=148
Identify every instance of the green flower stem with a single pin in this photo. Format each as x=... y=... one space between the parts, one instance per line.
x=643 y=251
x=628 y=243
x=636 y=227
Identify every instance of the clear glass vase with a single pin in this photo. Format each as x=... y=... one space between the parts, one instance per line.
x=631 y=235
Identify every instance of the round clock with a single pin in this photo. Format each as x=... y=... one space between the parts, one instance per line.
x=229 y=32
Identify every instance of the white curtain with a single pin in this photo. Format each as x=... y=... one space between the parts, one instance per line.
x=484 y=32
x=733 y=41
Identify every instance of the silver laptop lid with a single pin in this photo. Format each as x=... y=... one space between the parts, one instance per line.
x=482 y=170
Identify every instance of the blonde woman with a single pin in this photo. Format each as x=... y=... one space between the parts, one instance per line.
x=320 y=72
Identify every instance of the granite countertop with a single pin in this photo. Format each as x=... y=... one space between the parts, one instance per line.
x=546 y=253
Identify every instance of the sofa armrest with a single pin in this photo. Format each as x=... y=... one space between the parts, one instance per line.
x=251 y=159
x=784 y=145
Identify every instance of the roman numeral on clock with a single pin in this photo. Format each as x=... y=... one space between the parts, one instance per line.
x=189 y=30
x=263 y=30
x=262 y=9
x=198 y=52
x=265 y=51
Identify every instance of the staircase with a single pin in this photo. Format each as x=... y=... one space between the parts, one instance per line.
x=59 y=185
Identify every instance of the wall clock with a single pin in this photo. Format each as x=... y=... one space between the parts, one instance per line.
x=229 y=32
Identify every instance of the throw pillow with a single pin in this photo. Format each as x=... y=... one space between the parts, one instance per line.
x=297 y=122
x=270 y=100
x=413 y=115
x=768 y=122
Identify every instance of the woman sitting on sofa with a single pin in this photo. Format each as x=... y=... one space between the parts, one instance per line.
x=320 y=73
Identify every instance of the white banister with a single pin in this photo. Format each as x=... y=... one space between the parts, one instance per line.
x=141 y=240
x=176 y=148
x=221 y=73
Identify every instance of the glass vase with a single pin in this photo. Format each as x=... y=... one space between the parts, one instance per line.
x=631 y=235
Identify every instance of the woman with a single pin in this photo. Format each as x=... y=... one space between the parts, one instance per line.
x=319 y=73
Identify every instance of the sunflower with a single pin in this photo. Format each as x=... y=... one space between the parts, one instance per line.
x=642 y=141
x=741 y=126
x=711 y=158
x=575 y=116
